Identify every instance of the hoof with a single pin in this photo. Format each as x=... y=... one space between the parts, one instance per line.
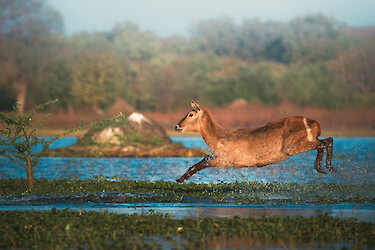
x=320 y=170
x=180 y=180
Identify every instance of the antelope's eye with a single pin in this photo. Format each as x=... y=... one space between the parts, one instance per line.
x=190 y=115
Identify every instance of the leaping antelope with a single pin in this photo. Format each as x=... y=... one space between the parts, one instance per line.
x=254 y=147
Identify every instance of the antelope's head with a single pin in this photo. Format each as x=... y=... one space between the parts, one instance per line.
x=191 y=121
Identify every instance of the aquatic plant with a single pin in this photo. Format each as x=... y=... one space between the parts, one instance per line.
x=239 y=193
x=78 y=229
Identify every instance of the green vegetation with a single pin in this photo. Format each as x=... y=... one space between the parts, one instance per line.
x=68 y=229
x=312 y=60
x=239 y=193
x=130 y=135
x=18 y=141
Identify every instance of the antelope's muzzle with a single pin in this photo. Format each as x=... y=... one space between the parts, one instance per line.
x=178 y=128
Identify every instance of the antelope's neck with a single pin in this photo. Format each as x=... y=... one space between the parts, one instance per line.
x=211 y=131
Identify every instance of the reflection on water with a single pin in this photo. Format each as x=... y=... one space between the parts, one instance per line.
x=362 y=212
x=353 y=159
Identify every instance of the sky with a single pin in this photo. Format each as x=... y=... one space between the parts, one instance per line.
x=174 y=17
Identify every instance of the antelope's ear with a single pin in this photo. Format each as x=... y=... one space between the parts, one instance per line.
x=195 y=105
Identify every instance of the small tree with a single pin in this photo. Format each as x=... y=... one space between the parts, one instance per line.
x=18 y=140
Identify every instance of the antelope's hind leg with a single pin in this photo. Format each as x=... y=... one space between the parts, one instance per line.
x=326 y=144
x=319 y=158
x=204 y=163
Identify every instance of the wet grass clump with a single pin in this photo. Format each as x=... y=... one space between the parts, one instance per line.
x=130 y=136
x=239 y=193
x=67 y=229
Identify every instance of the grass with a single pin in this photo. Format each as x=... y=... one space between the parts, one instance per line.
x=75 y=229
x=81 y=229
x=239 y=193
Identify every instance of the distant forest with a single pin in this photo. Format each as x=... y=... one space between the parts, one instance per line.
x=312 y=60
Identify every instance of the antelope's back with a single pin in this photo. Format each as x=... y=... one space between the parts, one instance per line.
x=257 y=146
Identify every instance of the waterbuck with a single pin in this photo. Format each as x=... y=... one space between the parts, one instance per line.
x=254 y=147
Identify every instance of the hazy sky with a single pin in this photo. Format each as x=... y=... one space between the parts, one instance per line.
x=171 y=17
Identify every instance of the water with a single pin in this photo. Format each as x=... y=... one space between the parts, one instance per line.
x=353 y=159
x=362 y=212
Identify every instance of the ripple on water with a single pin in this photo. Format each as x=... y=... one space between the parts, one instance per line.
x=191 y=208
x=354 y=164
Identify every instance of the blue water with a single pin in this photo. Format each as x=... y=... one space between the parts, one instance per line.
x=353 y=159
x=363 y=212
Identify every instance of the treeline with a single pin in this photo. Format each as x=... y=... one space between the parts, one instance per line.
x=311 y=60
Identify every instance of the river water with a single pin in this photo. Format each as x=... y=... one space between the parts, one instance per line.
x=353 y=158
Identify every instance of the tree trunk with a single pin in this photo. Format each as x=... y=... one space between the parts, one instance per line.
x=21 y=88
x=30 y=176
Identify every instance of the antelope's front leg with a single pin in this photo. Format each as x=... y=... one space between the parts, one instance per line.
x=204 y=163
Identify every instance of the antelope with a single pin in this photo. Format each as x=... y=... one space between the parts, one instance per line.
x=260 y=146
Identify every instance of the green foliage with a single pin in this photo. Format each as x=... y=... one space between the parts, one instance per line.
x=73 y=229
x=130 y=135
x=313 y=85
x=306 y=39
x=26 y=18
x=262 y=41
x=27 y=28
x=97 y=78
x=312 y=38
x=133 y=44
x=18 y=140
x=219 y=36
x=250 y=83
x=239 y=193
x=7 y=97
x=57 y=82
x=325 y=63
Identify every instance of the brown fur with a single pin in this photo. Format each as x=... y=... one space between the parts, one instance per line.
x=254 y=147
